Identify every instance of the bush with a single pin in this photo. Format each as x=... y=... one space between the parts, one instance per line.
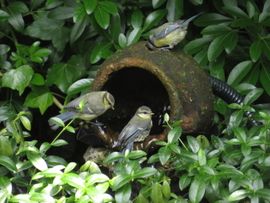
x=43 y=42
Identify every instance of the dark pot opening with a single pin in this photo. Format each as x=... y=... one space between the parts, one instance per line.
x=133 y=87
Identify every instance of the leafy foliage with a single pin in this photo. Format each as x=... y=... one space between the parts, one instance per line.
x=51 y=49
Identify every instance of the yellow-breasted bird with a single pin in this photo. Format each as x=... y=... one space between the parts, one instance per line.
x=86 y=107
x=137 y=129
x=169 y=34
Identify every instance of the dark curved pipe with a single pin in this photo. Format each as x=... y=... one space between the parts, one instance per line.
x=229 y=95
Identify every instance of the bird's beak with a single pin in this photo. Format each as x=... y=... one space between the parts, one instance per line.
x=112 y=107
x=152 y=113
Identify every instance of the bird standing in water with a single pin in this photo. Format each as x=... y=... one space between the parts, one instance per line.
x=137 y=129
x=169 y=34
x=86 y=107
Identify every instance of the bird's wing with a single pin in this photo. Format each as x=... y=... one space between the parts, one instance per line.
x=74 y=105
x=164 y=30
x=131 y=132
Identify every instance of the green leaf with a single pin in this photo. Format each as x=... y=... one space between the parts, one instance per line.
x=89 y=6
x=3 y=15
x=237 y=195
x=253 y=95
x=26 y=122
x=234 y=10
x=102 y=17
x=265 y=12
x=217 y=46
x=211 y=19
x=97 y=178
x=113 y=157
x=232 y=40
x=145 y=172
x=77 y=29
x=44 y=28
x=197 y=190
x=73 y=180
x=79 y=86
x=6 y=148
x=156 y=193
x=196 y=45
x=39 y=99
x=240 y=134
x=15 y=9
x=193 y=144
x=174 y=134
x=56 y=121
x=59 y=143
x=70 y=129
x=134 y=36
x=184 y=181
x=4 y=49
x=109 y=7
x=264 y=193
x=79 y=13
x=119 y=181
x=166 y=189
x=239 y=72
x=255 y=50
x=70 y=167
x=115 y=30
x=251 y=8
x=202 y=157
x=61 y=13
x=137 y=19
x=122 y=40
x=18 y=79
x=8 y=163
x=217 y=29
x=137 y=154
x=123 y=194
x=196 y=2
x=157 y=3
x=38 y=79
x=265 y=79
x=164 y=154
x=140 y=199
x=174 y=9
x=153 y=18
x=63 y=75
x=37 y=160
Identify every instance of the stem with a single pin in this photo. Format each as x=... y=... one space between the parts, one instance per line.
x=57 y=103
x=60 y=133
x=183 y=144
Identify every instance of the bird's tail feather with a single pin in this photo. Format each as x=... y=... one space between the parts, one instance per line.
x=66 y=116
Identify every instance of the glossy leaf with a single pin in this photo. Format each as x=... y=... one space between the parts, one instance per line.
x=197 y=190
x=79 y=86
x=193 y=144
x=184 y=181
x=153 y=18
x=156 y=193
x=18 y=79
x=8 y=163
x=39 y=99
x=255 y=50
x=174 y=10
x=253 y=95
x=265 y=79
x=37 y=160
x=102 y=17
x=239 y=72
x=89 y=5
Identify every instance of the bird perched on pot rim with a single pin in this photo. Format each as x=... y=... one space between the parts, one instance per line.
x=86 y=107
x=137 y=129
x=169 y=34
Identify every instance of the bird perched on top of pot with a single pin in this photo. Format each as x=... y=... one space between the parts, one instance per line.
x=137 y=129
x=86 y=107
x=169 y=34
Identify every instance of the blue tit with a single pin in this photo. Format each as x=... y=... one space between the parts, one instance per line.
x=86 y=107
x=137 y=129
x=169 y=34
